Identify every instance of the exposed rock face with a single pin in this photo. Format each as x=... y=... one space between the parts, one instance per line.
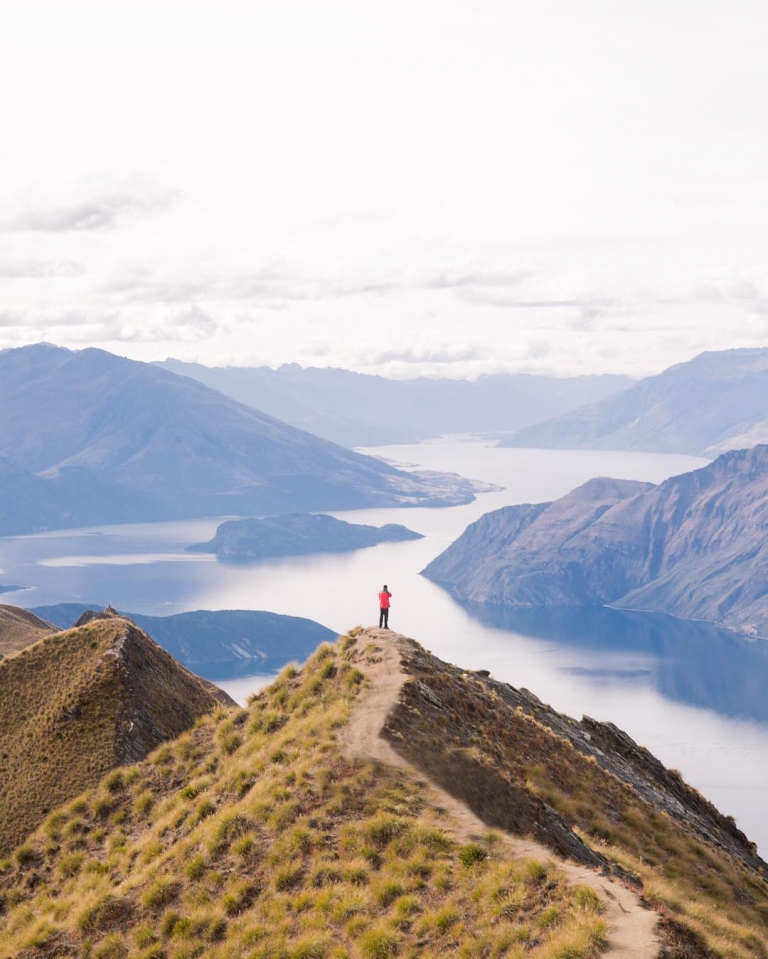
x=220 y=643
x=694 y=546
x=346 y=407
x=88 y=437
x=78 y=703
x=713 y=403
x=311 y=779
x=464 y=730
x=297 y=534
x=20 y=628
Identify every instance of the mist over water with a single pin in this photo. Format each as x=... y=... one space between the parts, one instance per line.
x=692 y=694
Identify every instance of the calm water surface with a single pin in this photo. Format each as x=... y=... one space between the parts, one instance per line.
x=692 y=694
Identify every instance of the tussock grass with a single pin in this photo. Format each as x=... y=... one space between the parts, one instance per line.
x=318 y=857
x=500 y=751
x=64 y=703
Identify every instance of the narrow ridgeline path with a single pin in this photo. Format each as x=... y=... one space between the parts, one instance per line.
x=632 y=928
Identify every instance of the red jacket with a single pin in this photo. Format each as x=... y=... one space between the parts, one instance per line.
x=384 y=599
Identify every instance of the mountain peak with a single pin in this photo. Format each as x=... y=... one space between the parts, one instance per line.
x=381 y=802
x=79 y=702
x=693 y=547
x=712 y=403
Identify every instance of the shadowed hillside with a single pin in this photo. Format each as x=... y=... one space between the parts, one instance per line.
x=284 y=830
x=78 y=703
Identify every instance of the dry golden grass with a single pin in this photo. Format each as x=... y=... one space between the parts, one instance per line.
x=19 y=628
x=67 y=707
x=252 y=835
x=480 y=748
x=57 y=727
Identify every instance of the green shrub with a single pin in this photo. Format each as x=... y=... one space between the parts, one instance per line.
x=195 y=868
x=472 y=854
x=115 y=781
x=382 y=829
x=25 y=855
x=288 y=877
x=143 y=803
x=310 y=947
x=112 y=947
x=238 y=898
x=105 y=912
x=70 y=865
x=378 y=943
x=388 y=891
x=160 y=893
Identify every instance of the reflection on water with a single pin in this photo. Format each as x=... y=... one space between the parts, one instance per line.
x=687 y=662
x=690 y=693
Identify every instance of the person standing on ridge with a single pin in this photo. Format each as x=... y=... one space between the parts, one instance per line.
x=384 y=608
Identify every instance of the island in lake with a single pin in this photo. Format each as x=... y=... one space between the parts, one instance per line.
x=297 y=534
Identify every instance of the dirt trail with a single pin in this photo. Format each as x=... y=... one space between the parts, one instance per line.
x=632 y=928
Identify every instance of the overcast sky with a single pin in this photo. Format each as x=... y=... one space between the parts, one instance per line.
x=448 y=188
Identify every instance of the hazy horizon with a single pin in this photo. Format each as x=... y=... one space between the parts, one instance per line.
x=426 y=189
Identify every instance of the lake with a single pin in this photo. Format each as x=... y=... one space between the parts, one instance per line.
x=694 y=695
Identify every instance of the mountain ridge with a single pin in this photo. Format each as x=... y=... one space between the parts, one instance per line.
x=91 y=438
x=20 y=628
x=691 y=547
x=346 y=407
x=703 y=407
x=219 y=644
x=80 y=702
x=271 y=812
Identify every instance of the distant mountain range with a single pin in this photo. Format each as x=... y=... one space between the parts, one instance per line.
x=714 y=402
x=357 y=409
x=696 y=546
x=217 y=644
x=297 y=534
x=87 y=438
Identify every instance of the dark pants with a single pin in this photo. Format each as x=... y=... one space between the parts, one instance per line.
x=384 y=618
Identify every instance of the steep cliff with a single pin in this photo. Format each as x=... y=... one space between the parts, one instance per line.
x=694 y=546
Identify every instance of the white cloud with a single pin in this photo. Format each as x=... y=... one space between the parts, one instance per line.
x=426 y=188
x=11 y=269
x=89 y=207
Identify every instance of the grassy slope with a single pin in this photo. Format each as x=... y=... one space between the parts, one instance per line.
x=253 y=835
x=73 y=706
x=501 y=761
x=20 y=628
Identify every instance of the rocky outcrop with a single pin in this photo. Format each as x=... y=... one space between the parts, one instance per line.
x=714 y=402
x=297 y=534
x=465 y=730
x=694 y=547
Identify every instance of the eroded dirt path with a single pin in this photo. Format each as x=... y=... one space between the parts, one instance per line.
x=633 y=929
